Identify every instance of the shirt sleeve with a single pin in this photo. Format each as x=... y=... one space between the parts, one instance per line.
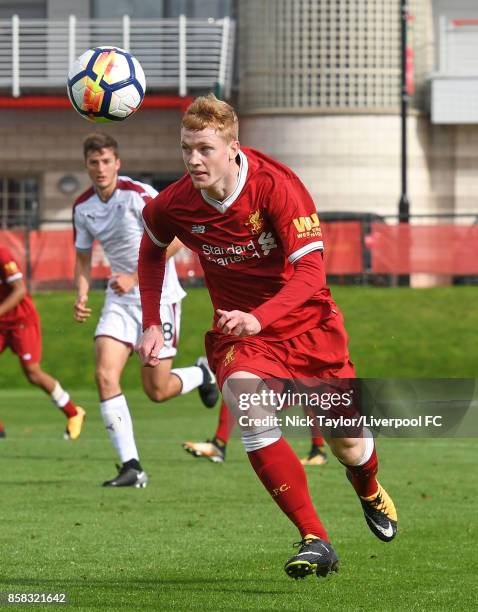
x=10 y=270
x=156 y=224
x=151 y=269
x=83 y=239
x=308 y=275
x=141 y=199
x=294 y=216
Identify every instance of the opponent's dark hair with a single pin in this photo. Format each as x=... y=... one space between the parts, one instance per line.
x=97 y=141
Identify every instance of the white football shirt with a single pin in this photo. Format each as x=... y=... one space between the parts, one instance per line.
x=117 y=225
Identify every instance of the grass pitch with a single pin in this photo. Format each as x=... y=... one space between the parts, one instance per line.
x=207 y=537
x=204 y=536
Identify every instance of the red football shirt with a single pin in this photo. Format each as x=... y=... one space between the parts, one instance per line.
x=248 y=243
x=10 y=271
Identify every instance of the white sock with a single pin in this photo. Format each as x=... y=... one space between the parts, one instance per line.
x=59 y=396
x=119 y=426
x=191 y=378
x=256 y=441
x=368 y=448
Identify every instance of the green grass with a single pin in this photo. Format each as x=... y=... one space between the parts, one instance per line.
x=394 y=333
x=208 y=537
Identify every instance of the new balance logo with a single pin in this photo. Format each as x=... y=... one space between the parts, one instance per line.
x=198 y=229
x=267 y=242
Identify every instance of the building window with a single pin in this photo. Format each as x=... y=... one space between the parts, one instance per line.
x=157 y=9
x=136 y=9
x=158 y=181
x=18 y=202
x=25 y=9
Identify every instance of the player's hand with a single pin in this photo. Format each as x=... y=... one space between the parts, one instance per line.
x=149 y=345
x=237 y=323
x=122 y=283
x=81 y=311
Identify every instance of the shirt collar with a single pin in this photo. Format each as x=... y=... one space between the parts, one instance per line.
x=241 y=180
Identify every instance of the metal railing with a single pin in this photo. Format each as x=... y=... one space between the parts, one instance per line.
x=176 y=54
x=360 y=249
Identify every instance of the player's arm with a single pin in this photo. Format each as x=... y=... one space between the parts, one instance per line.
x=173 y=248
x=82 y=281
x=122 y=282
x=16 y=295
x=289 y=200
x=151 y=269
x=307 y=279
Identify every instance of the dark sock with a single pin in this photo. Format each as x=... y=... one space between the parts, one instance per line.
x=133 y=463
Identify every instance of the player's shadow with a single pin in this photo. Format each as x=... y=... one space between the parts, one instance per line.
x=41 y=483
x=79 y=459
x=201 y=584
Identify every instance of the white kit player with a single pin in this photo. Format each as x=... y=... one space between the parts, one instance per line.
x=110 y=212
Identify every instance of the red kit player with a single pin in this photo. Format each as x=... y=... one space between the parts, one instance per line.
x=215 y=449
x=256 y=231
x=20 y=330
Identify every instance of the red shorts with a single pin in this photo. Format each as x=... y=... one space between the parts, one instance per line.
x=320 y=352
x=24 y=340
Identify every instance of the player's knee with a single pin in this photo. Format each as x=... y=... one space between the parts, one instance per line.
x=347 y=450
x=33 y=375
x=105 y=379
x=156 y=394
x=238 y=389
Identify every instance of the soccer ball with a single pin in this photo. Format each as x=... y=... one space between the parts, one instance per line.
x=106 y=84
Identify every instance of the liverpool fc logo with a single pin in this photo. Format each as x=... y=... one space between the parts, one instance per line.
x=229 y=356
x=256 y=222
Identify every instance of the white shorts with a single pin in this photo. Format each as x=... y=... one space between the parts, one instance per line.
x=123 y=322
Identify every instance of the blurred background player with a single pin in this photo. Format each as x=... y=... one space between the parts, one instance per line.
x=215 y=448
x=110 y=212
x=274 y=315
x=20 y=331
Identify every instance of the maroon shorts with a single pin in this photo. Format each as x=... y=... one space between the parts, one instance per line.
x=318 y=353
x=24 y=340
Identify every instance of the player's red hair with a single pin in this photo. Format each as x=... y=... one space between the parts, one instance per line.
x=206 y=112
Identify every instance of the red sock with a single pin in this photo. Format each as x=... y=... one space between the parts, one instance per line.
x=315 y=434
x=283 y=476
x=225 y=425
x=363 y=476
x=69 y=409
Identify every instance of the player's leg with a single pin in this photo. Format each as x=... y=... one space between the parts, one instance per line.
x=162 y=383
x=359 y=457
x=158 y=382
x=111 y=356
x=280 y=471
x=215 y=448
x=3 y=345
x=355 y=449
x=317 y=454
x=26 y=342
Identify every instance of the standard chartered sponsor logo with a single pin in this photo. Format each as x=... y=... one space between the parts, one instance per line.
x=236 y=253
x=267 y=242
